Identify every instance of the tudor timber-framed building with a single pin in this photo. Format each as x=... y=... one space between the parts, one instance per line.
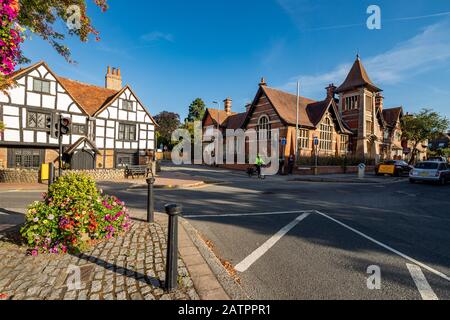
x=110 y=127
x=350 y=121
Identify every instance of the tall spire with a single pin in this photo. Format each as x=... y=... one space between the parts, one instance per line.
x=357 y=77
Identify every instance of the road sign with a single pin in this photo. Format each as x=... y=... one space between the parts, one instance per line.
x=283 y=141
x=316 y=141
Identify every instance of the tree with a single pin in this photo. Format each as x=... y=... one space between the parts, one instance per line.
x=196 y=110
x=168 y=122
x=21 y=18
x=423 y=126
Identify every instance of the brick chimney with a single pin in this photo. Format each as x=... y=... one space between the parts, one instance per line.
x=227 y=104
x=379 y=101
x=113 y=79
x=331 y=89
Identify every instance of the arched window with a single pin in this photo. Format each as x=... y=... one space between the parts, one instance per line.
x=326 y=135
x=264 y=128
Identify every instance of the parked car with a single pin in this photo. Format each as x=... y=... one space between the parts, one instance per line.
x=438 y=159
x=431 y=171
x=395 y=168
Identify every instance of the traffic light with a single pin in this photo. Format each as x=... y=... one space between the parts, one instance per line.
x=64 y=126
x=52 y=125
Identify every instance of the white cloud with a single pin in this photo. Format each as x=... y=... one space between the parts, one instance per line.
x=157 y=36
x=429 y=50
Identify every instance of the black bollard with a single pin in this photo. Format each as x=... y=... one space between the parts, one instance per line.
x=51 y=173
x=150 y=203
x=173 y=212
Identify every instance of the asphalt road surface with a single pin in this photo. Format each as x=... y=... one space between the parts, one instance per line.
x=299 y=240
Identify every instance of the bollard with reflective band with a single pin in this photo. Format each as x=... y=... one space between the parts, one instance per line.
x=173 y=211
x=361 y=171
x=150 y=202
x=51 y=173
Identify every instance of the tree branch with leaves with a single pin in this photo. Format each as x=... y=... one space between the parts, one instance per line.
x=22 y=18
x=422 y=127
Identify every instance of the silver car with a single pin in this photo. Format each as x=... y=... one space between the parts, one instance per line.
x=431 y=171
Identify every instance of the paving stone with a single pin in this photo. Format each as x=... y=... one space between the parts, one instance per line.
x=131 y=267
x=121 y=296
x=96 y=286
x=94 y=296
x=108 y=296
x=166 y=297
x=83 y=295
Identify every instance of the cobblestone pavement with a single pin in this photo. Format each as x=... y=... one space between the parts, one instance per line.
x=127 y=268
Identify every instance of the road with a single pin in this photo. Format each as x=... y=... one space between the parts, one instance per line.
x=299 y=240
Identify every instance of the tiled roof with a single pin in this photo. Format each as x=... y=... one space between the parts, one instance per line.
x=357 y=77
x=236 y=121
x=91 y=98
x=316 y=111
x=391 y=115
x=220 y=117
x=286 y=105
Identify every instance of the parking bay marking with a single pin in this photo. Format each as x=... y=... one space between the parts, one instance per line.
x=422 y=265
x=255 y=255
x=421 y=282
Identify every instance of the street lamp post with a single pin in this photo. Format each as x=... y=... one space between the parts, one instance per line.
x=297 y=156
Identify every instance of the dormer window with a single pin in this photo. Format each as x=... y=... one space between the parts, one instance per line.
x=127 y=105
x=41 y=86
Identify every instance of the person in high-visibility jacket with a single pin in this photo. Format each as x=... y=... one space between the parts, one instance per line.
x=259 y=162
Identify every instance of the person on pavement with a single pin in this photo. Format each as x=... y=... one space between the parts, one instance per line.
x=291 y=162
x=259 y=163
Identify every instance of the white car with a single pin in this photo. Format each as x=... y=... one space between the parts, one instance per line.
x=432 y=171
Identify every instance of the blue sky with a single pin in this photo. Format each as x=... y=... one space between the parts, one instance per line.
x=172 y=52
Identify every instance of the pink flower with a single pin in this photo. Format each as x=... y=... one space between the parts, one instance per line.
x=34 y=253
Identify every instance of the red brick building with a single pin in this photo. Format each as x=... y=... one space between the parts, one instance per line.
x=350 y=120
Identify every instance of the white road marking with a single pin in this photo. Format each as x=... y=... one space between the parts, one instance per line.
x=421 y=282
x=245 y=214
x=258 y=253
x=422 y=265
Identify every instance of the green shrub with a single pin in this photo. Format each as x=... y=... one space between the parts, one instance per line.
x=73 y=215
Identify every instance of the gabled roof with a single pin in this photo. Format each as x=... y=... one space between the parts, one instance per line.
x=90 y=97
x=285 y=105
x=392 y=115
x=236 y=121
x=72 y=148
x=316 y=112
x=22 y=71
x=219 y=117
x=356 y=78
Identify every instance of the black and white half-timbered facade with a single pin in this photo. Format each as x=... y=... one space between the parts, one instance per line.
x=110 y=127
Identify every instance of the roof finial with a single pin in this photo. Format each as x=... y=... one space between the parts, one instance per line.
x=357 y=55
x=263 y=82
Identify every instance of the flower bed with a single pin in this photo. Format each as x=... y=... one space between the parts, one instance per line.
x=73 y=215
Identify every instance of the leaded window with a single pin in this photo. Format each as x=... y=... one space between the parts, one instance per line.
x=42 y=86
x=79 y=129
x=37 y=120
x=326 y=135
x=264 y=128
x=344 y=143
x=127 y=105
x=25 y=158
x=303 y=139
x=127 y=132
